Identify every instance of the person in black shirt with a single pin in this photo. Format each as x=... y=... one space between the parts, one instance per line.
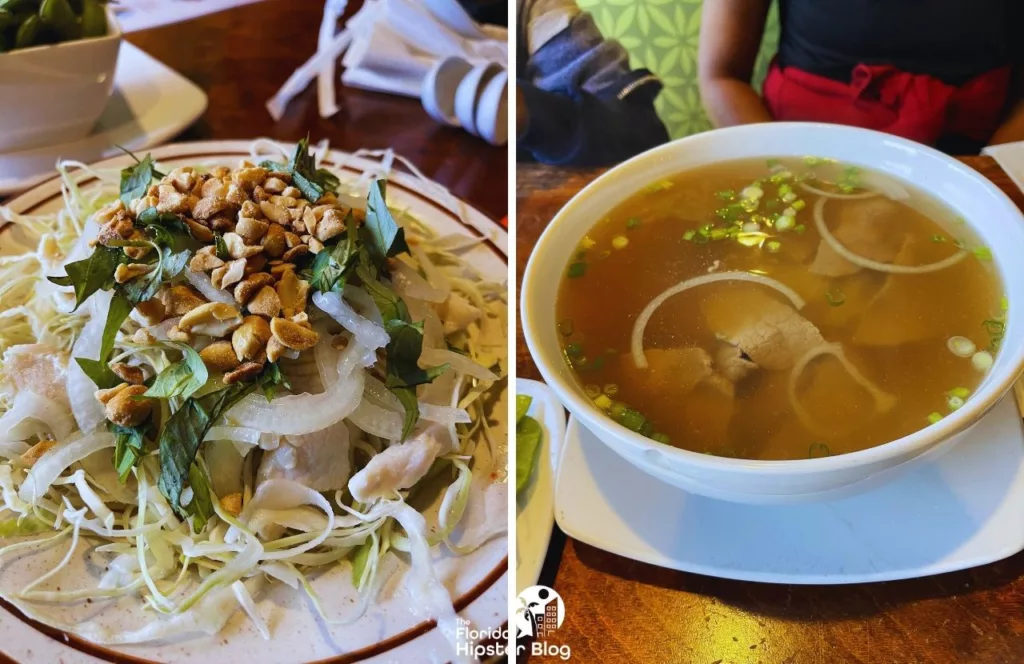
x=943 y=72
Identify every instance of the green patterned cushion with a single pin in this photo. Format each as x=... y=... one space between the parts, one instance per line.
x=662 y=35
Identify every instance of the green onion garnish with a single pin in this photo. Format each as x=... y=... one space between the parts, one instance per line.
x=660 y=437
x=983 y=253
x=960 y=392
x=1004 y=303
x=565 y=327
x=593 y=391
x=611 y=389
x=954 y=402
x=576 y=270
x=632 y=419
x=688 y=235
x=812 y=161
x=934 y=418
x=772 y=163
x=726 y=195
x=835 y=297
x=818 y=451
x=773 y=246
x=938 y=238
x=632 y=223
x=574 y=349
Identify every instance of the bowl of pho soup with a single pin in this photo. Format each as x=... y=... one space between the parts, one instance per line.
x=780 y=312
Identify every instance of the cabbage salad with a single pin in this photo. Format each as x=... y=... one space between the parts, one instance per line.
x=222 y=377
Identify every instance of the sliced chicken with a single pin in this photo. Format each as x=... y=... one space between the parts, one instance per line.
x=38 y=368
x=319 y=460
x=868 y=228
x=771 y=334
x=400 y=466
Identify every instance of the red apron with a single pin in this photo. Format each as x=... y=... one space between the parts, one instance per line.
x=915 y=106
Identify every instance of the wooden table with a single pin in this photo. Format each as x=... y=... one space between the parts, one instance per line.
x=242 y=56
x=619 y=610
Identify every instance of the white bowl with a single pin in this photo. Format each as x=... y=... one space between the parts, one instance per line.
x=992 y=215
x=55 y=93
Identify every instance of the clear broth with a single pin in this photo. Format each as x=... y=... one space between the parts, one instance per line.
x=893 y=328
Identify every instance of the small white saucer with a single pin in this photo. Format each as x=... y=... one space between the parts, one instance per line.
x=962 y=509
x=535 y=510
x=151 y=103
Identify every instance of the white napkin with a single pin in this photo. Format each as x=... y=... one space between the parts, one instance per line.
x=1010 y=157
x=389 y=46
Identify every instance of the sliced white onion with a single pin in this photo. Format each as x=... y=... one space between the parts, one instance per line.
x=961 y=346
x=982 y=360
x=304 y=413
x=58 y=459
x=376 y=420
x=888 y=187
x=458 y=362
x=637 y=337
x=444 y=415
x=234 y=434
x=282 y=495
x=12 y=450
x=326 y=357
x=409 y=283
x=366 y=332
x=830 y=194
x=362 y=301
x=826 y=234
x=81 y=390
x=435 y=276
x=28 y=407
x=201 y=282
x=883 y=400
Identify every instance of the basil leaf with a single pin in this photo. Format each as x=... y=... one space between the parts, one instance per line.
x=391 y=306
x=386 y=237
x=135 y=180
x=403 y=371
x=91 y=274
x=166 y=228
x=270 y=379
x=181 y=379
x=145 y=287
x=183 y=434
x=128 y=447
x=331 y=267
x=528 y=437
x=98 y=370
x=306 y=177
x=201 y=506
x=222 y=247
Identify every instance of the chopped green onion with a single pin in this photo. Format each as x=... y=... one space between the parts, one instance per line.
x=812 y=161
x=773 y=246
x=576 y=270
x=688 y=235
x=818 y=451
x=785 y=189
x=954 y=402
x=617 y=409
x=934 y=418
x=800 y=228
x=960 y=392
x=718 y=234
x=1004 y=303
x=604 y=254
x=700 y=238
x=587 y=243
x=982 y=360
x=726 y=195
x=632 y=420
x=799 y=204
x=620 y=242
x=574 y=349
x=659 y=186
x=593 y=391
x=611 y=389
x=565 y=327
x=751 y=227
x=752 y=192
x=632 y=223
x=784 y=223
x=772 y=163
x=835 y=297
x=660 y=438
x=983 y=253
x=938 y=238
x=602 y=402
x=751 y=239
x=789 y=198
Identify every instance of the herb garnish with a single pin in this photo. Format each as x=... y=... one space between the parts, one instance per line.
x=181 y=379
x=135 y=180
x=128 y=448
x=310 y=180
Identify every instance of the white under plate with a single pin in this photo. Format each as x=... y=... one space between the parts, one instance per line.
x=535 y=504
x=151 y=103
x=960 y=510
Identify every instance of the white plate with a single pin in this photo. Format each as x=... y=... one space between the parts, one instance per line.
x=962 y=509
x=388 y=632
x=150 y=104
x=535 y=511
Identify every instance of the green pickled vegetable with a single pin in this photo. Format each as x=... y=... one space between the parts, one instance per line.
x=28 y=32
x=58 y=15
x=94 y=19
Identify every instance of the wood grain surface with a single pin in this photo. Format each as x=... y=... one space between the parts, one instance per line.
x=242 y=56
x=619 y=611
